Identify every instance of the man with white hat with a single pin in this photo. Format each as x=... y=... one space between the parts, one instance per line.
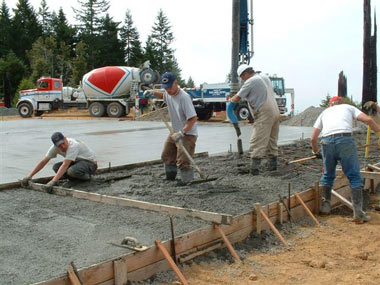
x=258 y=91
x=79 y=163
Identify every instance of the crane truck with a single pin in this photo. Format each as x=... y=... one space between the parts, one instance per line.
x=106 y=91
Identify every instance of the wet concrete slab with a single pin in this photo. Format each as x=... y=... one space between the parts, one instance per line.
x=25 y=142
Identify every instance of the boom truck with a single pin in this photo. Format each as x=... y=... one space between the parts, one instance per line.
x=106 y=91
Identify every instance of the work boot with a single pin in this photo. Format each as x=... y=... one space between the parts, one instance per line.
x=326 y=200
x=366 y=199
x=255 y=165
x=272 y=163
x=170 y=171
x=187 y=175
x=357 y=203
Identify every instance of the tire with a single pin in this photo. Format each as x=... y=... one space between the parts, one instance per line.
x=38 y=113
x=205 y=115
x=148 y=76
x=115 y=110
x=25 y=110
x=96 y=109
x=243 y=113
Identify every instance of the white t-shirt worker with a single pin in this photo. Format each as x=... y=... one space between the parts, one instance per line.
x=79 y=161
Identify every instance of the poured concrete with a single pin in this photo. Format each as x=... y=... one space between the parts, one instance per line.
x=25 y=142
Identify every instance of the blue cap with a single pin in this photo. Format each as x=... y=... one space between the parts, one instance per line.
x=57 y=138
x=167 y=79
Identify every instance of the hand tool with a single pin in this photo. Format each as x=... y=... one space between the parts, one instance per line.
x=180 y=144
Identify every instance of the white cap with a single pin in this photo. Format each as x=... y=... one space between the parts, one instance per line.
x=243 y=67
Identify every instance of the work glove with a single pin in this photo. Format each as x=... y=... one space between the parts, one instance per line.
x=178 y=136
x=317 y=154
x=25 y=181
x=148 y=94
x=49 y=186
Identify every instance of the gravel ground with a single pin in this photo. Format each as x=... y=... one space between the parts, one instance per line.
x=8 y=111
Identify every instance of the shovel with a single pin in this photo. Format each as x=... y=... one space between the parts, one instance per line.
x=233 y=119
x=180 y=144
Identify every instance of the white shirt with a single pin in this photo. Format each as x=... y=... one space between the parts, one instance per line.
x=337 y=119
x=77 y=150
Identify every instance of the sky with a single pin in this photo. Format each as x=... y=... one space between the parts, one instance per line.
x=308 y=43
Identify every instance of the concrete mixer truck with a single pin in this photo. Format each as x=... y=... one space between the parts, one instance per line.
x=106 y=91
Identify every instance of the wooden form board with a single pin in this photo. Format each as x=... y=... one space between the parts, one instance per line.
x=143 y=265
x=123 y=202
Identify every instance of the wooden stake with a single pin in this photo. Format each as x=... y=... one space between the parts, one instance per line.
x=277 y=233
x=175 y=268
x=280 y=213
x=228 y=244
x=257 y=207
x=120 y=272
x=74 y=275
x=306 y=208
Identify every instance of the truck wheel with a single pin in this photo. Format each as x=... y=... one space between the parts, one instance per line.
x=148 y=76
x=25 y=110
x=96 y=109
x=115 y=110
x=242 y=113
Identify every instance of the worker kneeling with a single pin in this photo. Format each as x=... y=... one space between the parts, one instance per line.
x=79 y=163
x=184 y=123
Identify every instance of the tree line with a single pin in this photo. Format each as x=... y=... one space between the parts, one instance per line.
x=43 y=43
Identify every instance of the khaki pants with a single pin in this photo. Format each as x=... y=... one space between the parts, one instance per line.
x=173 y=155
x=265 y=131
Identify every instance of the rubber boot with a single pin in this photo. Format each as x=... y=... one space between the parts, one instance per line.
x=366 y=199
x=187 y=175
x=255 y=165
x=326 y=200
x=170 y=171
x=272 y=163
x=357 y=202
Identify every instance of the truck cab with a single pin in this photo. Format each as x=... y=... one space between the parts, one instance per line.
x=279 y=90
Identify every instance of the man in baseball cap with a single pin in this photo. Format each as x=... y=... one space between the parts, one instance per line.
x=167 y=79
x=79 y=161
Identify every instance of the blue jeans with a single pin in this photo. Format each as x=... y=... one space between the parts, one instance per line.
x=341 y=149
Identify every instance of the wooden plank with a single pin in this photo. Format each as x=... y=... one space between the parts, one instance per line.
x=123 y=202
x=366 y=174
x=257 y=207
x=120 y=271
x=342 y=199
x=72 y=276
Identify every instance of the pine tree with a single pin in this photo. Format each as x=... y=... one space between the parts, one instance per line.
x=133 y=53
x=46 y=18
x=5 y=30
x=63 y=31
x=159 y=46
x=190 y=83
x=79 y=66
x=110 y=50
x=325 y=102
x=26 y=29
x=90 y=18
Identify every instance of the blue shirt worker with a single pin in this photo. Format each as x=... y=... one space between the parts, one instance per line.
x=258 y=91
x=79 y=160
x=184 y=123
x=335 y=126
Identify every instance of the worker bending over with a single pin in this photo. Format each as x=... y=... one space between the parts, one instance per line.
x=335 y=125
x=79 y=163
x=258 y=91
x=183 y=119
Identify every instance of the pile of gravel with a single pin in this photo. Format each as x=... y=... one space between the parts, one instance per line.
x=8 y=111
x=306 y=119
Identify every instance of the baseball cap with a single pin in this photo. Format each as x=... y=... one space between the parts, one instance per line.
x=57 y=138
x=335 y=98
x=167 y=79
